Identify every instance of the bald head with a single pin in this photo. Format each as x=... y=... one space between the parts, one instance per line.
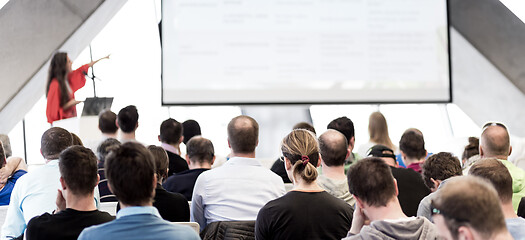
x=243 y=134
x=495 y=142
x=333 y=147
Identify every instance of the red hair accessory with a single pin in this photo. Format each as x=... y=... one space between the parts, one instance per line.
x=305 y=159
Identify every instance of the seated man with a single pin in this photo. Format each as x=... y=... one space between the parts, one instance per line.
x=237 y=190
x=412 y=148
x=12 y=169
x=128 y=122
x=345 y=126
x=130 y=171
x=469 y=208
x=411 y=187
x=497 y=174
x=437 y=169
x=333 y=148
x=35 y=192
x=76 y=209
x=171 y=137
x=200 y=156
x=375 y=190
x=102 y=151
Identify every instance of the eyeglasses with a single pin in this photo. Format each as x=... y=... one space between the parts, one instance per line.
x=490 y=124
x=434 y=210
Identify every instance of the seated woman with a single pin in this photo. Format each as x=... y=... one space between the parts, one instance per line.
x=12 y=169
x=306 y=212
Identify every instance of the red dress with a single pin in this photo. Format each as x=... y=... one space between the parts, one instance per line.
x=54 y=111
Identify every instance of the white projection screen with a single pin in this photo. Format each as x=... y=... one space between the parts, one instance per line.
x=304 y=52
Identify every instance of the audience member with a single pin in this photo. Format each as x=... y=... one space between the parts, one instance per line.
x=172 y=206
x=437 y=169
x=410 y=185
x=128 y=122
x=130 y=170
x=200 y=156
x=102 y=151
x=412 y=148
x=7 y=145
x=307 y=212
x=345 y=126
x=107 y=124
x=375 y=190
x=470 y=154
x=12 y=168
x=497 y=174
x=35 y=192
x=191 y=128
x=495 y=143
x=76 y=209
x=170 y=138
x=278 y=166
x=237 y=190
x=378 y=132
x=76 y=140
x=468 y=208
x=334 y=151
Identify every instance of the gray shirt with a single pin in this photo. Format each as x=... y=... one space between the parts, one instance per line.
x=516 y=227
x=336 y=188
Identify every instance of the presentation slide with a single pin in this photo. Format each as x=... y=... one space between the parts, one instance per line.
x=304 y=51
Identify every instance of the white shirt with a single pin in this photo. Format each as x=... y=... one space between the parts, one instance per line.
x=234 y=192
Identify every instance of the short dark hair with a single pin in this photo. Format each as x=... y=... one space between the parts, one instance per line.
x=343 y=125
x=107 y=121
x=2 y=156
x=413 y=144
x=243 y=134
x=54 y=141
x=130 y=171
x=304 y=125
x=160 y=157
x=371 y=180
x=496 y=173
x=190 y=128
x=200 y=150
x=7 y=145
x=333 y=147
x=128 y=118
x=76 y=140
x=105 y=148
x=78 y=167
x=473 y=202
x=440 y=166
x=170 y=131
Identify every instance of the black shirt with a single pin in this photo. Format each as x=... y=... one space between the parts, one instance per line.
x=411 y=189
x=304 y=215
x=278 y=168
x=177 y=163
x=183 y=182
x=67 y=224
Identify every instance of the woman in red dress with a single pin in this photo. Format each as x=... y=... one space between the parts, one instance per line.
x=62 y=83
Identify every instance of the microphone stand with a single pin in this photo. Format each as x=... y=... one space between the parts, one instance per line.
x=93 y=73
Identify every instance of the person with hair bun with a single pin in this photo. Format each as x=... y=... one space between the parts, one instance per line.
x=306 y=212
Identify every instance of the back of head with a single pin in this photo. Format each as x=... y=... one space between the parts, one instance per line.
x=371 y=180
x=496 y=173
x=440 y=166
x=191 y=128
x=128 y=118
x=130 y=171
x=2 y=156
x=304 y=125
x=243 y=134
x=470 y=201
x=344 y=125
x=105 y=148
x=107 y=122
x=160 y=157
x=302 y=150
x=76 y=140
x=383 y=152
x=413 y=144
x=471 y=149
x=54 y=141
x=7 y=145
x=495 y=140
x=78 y=167
x=170 y=131
x=334 y=148
x=378 y=129
x=200 y=150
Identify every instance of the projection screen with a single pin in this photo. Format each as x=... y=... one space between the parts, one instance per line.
x=304 y=51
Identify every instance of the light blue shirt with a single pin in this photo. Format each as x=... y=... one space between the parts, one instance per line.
x=236 y=191
x=139 y=223
x=516 y=227
x=34 y=194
